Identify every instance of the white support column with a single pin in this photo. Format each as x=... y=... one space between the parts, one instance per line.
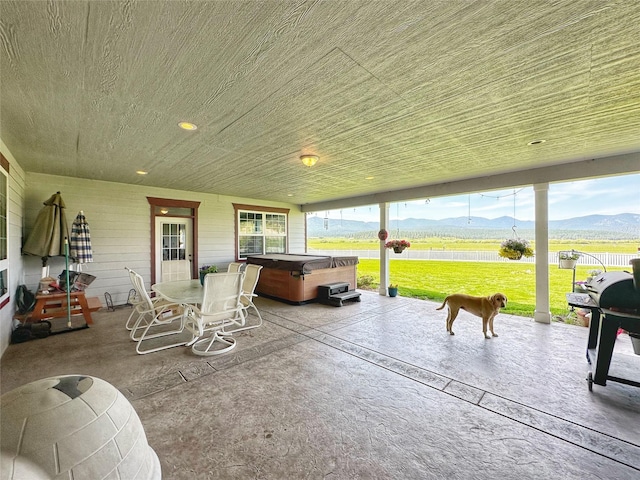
x=542 y=313
x=384 y=252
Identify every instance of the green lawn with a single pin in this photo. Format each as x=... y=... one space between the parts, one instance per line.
x=437 y=279
x=434 y=280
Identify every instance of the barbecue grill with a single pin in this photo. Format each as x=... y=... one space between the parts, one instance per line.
x=614 y=301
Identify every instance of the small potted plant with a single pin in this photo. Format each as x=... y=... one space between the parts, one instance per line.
x=393 y=290
x=515 y=249
x=568 y=259
x=397 y=245
x=206 y=269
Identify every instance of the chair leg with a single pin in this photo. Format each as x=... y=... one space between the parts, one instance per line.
x=244 y=320
x=258 y=315
x=209 y=342
x=141 y=323
x=129 y=325
x=145 y=336
x=138 y=309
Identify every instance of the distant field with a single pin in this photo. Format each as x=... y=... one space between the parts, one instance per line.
x=466 y=244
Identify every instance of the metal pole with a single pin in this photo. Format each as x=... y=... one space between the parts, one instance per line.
x=66 y=270
x=592 y=256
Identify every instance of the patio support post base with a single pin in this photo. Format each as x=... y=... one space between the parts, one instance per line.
x=542 y=317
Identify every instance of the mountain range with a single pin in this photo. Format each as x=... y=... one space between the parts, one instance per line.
x=624 y=226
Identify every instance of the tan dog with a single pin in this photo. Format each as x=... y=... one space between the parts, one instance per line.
x=484 y=307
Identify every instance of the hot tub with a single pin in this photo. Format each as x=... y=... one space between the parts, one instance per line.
x=294 y=278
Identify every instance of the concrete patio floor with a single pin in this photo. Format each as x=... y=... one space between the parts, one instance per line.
x=371 y=390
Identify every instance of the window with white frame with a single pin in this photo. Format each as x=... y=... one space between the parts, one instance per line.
x=260 y=230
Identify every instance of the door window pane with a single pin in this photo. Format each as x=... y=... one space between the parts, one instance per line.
x=174 y=241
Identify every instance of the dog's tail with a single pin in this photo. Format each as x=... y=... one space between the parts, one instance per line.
x=443 y=304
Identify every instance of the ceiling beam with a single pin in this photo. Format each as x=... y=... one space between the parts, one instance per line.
x=600 y=167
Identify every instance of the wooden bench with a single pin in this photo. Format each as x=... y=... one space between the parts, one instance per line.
x=94 y=304
x=54 y=305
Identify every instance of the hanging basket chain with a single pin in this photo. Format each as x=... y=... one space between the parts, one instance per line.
x=515 y=248
x=515 y=234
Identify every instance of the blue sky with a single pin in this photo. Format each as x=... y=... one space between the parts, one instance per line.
x=603 y=196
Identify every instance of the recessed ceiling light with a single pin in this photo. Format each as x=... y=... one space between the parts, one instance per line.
x=141 y=172
x=187 y=126
x=536 y=142
x=369 y=178
x=289 y=194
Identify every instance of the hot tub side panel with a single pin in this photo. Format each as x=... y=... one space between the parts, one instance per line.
x=295 y=287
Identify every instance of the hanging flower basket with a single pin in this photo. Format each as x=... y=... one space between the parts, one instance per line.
x=515 y=249
x=397 y=245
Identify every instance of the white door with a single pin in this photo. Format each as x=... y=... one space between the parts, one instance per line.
x=173 y=241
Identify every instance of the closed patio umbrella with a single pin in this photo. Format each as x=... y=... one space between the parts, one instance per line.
x=49 y=238
x=80 y=240
x=49 y=231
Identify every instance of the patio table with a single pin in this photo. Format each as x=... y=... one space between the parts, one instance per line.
x=180 y=291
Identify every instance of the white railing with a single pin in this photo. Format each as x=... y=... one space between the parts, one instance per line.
x=607 y=259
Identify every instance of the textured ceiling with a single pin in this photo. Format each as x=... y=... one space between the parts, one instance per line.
x=409 y=93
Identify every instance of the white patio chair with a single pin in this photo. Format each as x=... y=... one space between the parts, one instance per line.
x=154 y=314
x=139 y=302
x=251 y=276
x=221 y=306
x=175 y=270
x=234 y=267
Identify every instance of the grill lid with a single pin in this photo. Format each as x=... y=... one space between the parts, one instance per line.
x=614 y=290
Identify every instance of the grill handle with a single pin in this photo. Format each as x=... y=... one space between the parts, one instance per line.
x=635 y=264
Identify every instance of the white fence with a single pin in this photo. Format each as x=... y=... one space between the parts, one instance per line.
x=607 y=259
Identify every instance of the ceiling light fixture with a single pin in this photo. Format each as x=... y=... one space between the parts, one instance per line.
x=309 y=160
x=187 y=126
x=141 y=172
x=369 y=178
x=536 y=142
